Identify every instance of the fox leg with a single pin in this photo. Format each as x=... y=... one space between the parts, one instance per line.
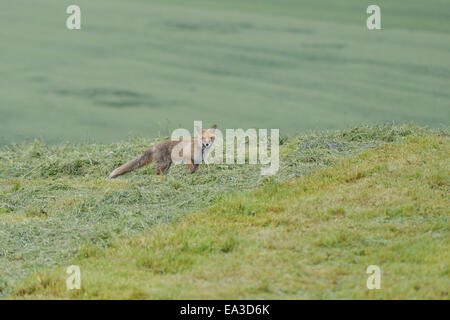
x=162 y=168
x=192 y=167
x=167 y=167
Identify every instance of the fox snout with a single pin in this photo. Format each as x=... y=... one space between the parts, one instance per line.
x=207 y=137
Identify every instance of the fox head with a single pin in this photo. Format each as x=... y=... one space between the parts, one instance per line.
x=206 y=137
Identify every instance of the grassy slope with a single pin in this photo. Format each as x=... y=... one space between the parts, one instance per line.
x=138 y=66
x=311 y=237
x=54 y=199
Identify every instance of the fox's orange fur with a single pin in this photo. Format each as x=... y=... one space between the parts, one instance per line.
x=198 y=148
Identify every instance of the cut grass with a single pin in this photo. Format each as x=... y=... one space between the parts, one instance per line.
x=310 y=237
x=55 y=199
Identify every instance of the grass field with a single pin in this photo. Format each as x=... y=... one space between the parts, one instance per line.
x=364 y=176
x=342 y=201
x=143 y=67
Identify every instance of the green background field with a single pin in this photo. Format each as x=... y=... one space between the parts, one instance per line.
x=145 y=67
x=141 y=67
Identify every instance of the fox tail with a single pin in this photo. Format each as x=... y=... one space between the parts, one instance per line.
x=145 y=158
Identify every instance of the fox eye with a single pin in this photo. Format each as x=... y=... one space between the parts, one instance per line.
x=212 y=138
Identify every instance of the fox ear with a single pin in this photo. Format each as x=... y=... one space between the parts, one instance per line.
x=213 y=128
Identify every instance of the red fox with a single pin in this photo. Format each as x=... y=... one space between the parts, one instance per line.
x=197 y=149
